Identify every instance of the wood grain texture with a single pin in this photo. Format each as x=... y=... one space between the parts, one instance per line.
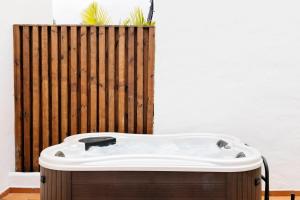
x=131 y=77
x=102 y=80
x=121 y=80
x=57 y=185
x=93 y=80
x=18 y=98
x=111 y=79
x=79 y=79
x=36 y=97
x=150 y=79
x=64 y=100
x=135 y=185
x=26 y=98
x=54 y=87
x=73 y=81
x=140 y=81
x=83 y=80
x=45 y=87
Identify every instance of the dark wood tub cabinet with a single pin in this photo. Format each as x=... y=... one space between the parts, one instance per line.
x=148 y=185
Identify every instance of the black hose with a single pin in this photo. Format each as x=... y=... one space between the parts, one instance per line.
x=292 y=196
x=266 y=179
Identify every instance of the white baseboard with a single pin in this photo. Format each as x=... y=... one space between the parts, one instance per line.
x=24 y=180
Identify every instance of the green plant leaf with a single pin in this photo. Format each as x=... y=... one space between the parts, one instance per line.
x=137 y=18
x=95 y=15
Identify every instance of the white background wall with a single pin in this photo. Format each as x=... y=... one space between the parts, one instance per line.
x=69 y=11
x=13 y=11
x=222 y=66
x=233 y=67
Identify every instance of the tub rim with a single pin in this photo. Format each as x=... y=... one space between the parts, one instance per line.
x=206 y=165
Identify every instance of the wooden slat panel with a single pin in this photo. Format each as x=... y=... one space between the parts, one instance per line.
x=111 y=79
x=18 y=98
x=145 y=77
x=102 y=83
x=35 y=97
x=150 y=78
x=131 y=77
x=54 y=87
x=26 y=97
x=45 y=87
x=53 y=184
x=66 y=186
x=93 y=81
x=73 y=79
x=149 y=185
x=42 y=186
x=140 y=81
x=64 y=83
x=121 y=81
x=59 y=185
x=83 y=80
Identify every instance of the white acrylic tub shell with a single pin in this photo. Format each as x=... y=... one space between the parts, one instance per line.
x=133 y=152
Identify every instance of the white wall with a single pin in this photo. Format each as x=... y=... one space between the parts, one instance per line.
x=233 y=67
x=13 y=11
x=118 y=10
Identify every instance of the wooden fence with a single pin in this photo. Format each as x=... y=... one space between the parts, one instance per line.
x=79 y=79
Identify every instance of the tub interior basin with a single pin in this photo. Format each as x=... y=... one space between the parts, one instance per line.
x=164 y=151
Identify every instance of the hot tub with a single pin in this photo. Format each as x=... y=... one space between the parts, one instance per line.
x=151 y=167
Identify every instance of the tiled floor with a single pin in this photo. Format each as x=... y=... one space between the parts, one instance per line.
x=36 y=196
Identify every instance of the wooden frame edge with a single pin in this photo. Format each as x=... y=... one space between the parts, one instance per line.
x=19 y=190
x=277 y=193
x=37 y=190
x=4 y=193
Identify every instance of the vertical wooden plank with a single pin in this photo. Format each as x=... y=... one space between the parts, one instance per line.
x=231 y=186
x=45 y=87
x=49 y=184
x=45 y=186
x=18 y=98
x=42 y=185
x=53 y=184
x=66 y=185
x=69 y=185
x=258 y=187
x=58 y=185
x=244 y=186
x=150 y=78
x=102 y=84
x=93 y=80
x=83 y=80
x=54 y=86
x=249 y=184
x=145 y=77
x=26 y=97
x=240 y=186
x=111 y=79
x=140 y=80
x=131 y=86
x=73 y=77
x=64 y=82
x=121 y=81
x=35 y=97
